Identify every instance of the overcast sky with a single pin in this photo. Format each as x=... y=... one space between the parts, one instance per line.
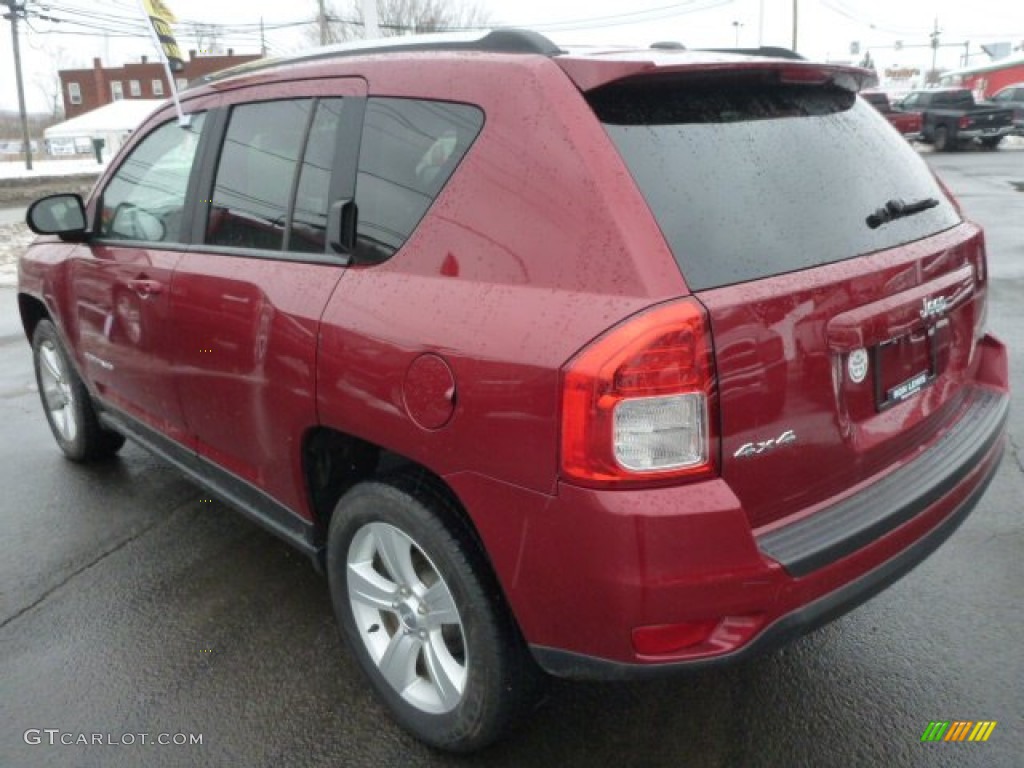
x=826 y=28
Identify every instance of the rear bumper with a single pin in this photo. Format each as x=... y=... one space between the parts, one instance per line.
x=787 y=628
x=982 y=133
x=593 y=566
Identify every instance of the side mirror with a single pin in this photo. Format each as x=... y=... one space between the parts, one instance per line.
x=62 y=215
x=133 y=223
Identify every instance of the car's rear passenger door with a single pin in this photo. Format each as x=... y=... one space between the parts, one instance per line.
x=270 y=245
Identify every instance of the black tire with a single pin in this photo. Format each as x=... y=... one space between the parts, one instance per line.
x=991 y=143
x=500 y=681
x=66 y=401
x=942 y=142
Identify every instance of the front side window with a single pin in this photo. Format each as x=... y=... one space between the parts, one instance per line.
x=75 y=93
x=255 y=174
x=116 y=90
x=410 y=149
x=146 y=198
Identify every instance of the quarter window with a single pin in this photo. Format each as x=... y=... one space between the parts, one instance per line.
x=145 y=200
x=409 y=150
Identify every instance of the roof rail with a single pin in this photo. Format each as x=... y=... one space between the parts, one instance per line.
x=770 y=51
x=500 y=40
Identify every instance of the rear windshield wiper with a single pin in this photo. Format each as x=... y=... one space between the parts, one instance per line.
x=897 y=209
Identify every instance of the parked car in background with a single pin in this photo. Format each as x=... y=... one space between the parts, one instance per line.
x=907 y=123
x=1012 y=97
x=950 y=118
x=607 y=363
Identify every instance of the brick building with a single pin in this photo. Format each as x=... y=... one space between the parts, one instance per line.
x=85 y=89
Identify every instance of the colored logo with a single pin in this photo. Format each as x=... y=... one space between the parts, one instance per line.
x=958 y=730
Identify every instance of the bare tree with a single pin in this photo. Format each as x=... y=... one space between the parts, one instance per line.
x=401 y=17
x=47 y=80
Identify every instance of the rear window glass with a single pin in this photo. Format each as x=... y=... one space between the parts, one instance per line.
x=749 y=180
x=878 y=100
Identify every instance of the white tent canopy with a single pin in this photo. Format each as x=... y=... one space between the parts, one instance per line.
x=112 y=122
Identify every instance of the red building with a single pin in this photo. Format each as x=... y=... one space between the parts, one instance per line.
x=987 y=79
x=85 y=89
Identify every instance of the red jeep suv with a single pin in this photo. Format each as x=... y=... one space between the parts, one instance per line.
x=603 y=362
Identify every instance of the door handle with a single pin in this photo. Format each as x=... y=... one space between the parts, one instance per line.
x=146 y=288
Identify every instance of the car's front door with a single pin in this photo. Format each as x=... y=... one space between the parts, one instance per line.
x=247 y=299
x=120 y=284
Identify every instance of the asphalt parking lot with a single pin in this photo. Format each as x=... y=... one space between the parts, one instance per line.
x=131 y=605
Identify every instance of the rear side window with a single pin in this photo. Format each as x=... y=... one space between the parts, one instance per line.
x=953 y=99
x=273 y=176
x=753 y=179
x=917 y=100
x=409 y=150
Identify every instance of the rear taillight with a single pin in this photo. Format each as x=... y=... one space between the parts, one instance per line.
x=637 y=403
x=965 y=121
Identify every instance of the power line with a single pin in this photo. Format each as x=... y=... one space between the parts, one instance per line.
x=624 y=19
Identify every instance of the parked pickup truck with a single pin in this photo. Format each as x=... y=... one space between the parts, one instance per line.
x=1012 y=97
x=950 y=118
x=907 y=123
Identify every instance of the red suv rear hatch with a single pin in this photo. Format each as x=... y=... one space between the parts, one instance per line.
x=845 y=294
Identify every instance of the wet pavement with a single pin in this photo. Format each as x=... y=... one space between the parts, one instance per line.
x=130 y=606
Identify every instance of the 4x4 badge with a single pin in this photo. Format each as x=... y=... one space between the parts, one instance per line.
x=761 y=446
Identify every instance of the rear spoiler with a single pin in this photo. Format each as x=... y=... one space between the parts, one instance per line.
x=589 y=73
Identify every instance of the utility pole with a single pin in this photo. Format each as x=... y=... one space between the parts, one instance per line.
x=322 y=20
x=263 y=39
x=935 y=49
x=371 y=27
x=794 y=23
x=760 y=24
x=14 y=13
x=736 y=26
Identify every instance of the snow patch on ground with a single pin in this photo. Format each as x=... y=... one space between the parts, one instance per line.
x=72 y=166
x=14 y=238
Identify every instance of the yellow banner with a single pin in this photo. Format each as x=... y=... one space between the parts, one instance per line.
x=157 y=9
x=161 y=17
